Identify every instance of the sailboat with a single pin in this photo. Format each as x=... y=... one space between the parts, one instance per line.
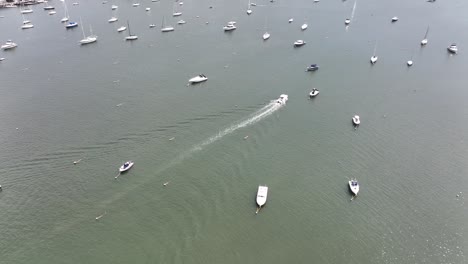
x=266 y=35
x=374 y=57
x=66 y=16
x=424 y=41
x=26 y=23
x=348 y=20
x=113 y=19
x=174 y=12
x=130 y=36
x=249 y=11
x=89 y=39
x=165 y=28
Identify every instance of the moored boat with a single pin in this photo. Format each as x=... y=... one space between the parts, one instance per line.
x=262 y=194
x=71 y=25
x=304 y=27
x=313 y=67
x=354 y=186
x=9 y=45
x=453 y=48
x=299 y=43
x=356 y=120
x=314 y=92
x=198 y=79
x=266 y=36
x=229 y=27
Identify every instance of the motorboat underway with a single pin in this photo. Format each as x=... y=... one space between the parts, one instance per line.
x=290 y=20
x=313 y=67
x=112 y=19
x=409 y=63
x=262 y=194
x=230 y=26
x=9 y=45
x=71 y=25
x=354 y=186
x=304 y=27
x=122 y=28
x=299 y=43
x=198 y=79
x=314 y=92
x=356 y=120
x=266 y=36
x=374 y=59
x=282 y=99
x=114 y=7
x=453 y=48
x=347 y=21
x=126 y=166
x=181 y=22
x=394 y=19
x=26 y=26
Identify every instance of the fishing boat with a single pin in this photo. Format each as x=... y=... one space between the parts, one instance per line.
x=249 y=11
x=313 y=67
x=282 y=99
x=356 y=120
x=164 y=27
x=198 y=79
x=394 y=19
x=229 y=27
x=9 y=45
x=304 y=27
x=262 y=194
x=71 y=25
x=122 y=28
x=299 y=43
x=126 y=166
x=453 y=48
x=87 y=39
x=424 y=41
x=130 y=36
x=354 y=186
x=314 y=92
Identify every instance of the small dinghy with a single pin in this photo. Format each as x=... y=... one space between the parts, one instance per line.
x=356 y=120
x=314 y=92
x=126 y=166
x=354 y=186
x=282 y=99
x=261 y=196
x=313 y=67
x=453 y=48
x=198 y=79
x=299 y=43
x=304 y=27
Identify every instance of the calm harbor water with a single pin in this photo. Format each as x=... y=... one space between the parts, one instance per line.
x=113 y=101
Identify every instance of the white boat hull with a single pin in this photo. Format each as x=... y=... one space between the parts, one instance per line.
x=262 y=194
x=304 y=27
x=124 y=169
x=167 y=29
x=314 y=93
x=266 y=36
x=120 y=29
x=282 y=99
x=354 y=188
x=88 y=40
x=198 y=79
x=131 y=38
x=356 y=120
x=374 y=59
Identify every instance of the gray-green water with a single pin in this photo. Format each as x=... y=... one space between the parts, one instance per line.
x=409 y=154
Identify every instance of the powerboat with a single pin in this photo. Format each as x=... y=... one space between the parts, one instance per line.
x=9 y=45
x=177 y=14
x=181 y=22
x=88 y=39
x=347 y=21
x=230 y=26
x=266 y=36
x=374 y=59
x=394 y=19
x=152 y=25
x=126 y=166
x=114 y=7
x=304 y=27
x=290 y=20
x=49 y=7
x=198 y=79
x=167 y=29
x=63 y=20
x=122 y=28
x=53 y=12
x=136 y=4
x=71 y=25
x=299 y=43
x=262 y=194
x=112 y=19
x=282 y=99
x=409 y=63
x=424 y=42
x=453 y=48
x=26 y=26
x=313 y=67
x=356 y=120
x=314 y=92
x=354 y=186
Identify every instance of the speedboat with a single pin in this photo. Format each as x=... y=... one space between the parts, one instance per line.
x=126 y=166
x=114 y=7
x=347 y=21
x=299 y=43
x=181 y=22
x=453 y=48
x=354 y=186
x=409 y=63
x=122 y=28
x=177 y=14
x=253 y=4
x=394 y=19
x=313 y=67
x=112 y=19
x=230 y=26
x=262 y=194
x=266 y=36
x=290 y=20
x=198 y=79
x=71 y=25
x=356 y=120
x=373 y=59
x=49 y=7
x=53 y=12
x=88 y=39
x=314 y=92
x=282 y=99
x=304 y=27
x=9 y=45
x=26 y=26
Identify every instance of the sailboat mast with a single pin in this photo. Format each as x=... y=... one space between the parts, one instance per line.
x=82 y=27
x=427 y=31
x=128 y=25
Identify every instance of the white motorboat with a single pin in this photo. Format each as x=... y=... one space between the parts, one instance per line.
x=2 y=59
x=354 y=186
x=181 y=22
x=26 y=22
x=181 y=3
x=304 y=27
x=394 y=19
x=65 y=19
x=130 y=36
x=262 y=194
x=198 y=79
x=314 y=92
x=26 y=11
x=374 y=59
x=290 y=20
x=164 y=27
x=453 y=48
x=356 y=120
x=230 y=26
x=152 y=25
x=347 y=21
x=299 y=43
x=71 y=25
x=266 y=36
x=409 y=63
x=126 y=166
x=249 y=11
x=114 y=7
x=424 y=41
x=282 y=99
x=122 y=28
x=9 y=45
x=53 y=12
x=177 y=14
x=136 y=4
x=148 y=9
x=49 y=7
x=76 y=3
x=26 y=26
x=112 y=20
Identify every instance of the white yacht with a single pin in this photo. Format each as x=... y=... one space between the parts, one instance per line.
x=53 y=12
x=126 y=166
x=354 y=186
x=112 y=20
x=453 y=48
x=198 y=79
x=177 y=14
x=229 y=27
x=71 y=25
x=282 y=99
x=356 y=120
x=49 y=7
x=136 y=4
x=314 y=92
x=152 y=25
x=262 y=194
x=164 y=27
x=148 y=9
x=88 y=39
x=266 y=36
x=130 y=36
x=304 y=27
x=299 y=43
x=122 y=28
x=394 y=19
x=9 y=45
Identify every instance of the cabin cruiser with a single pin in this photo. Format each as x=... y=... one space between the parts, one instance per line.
x=304 y=27
x=347 y=21
x=266 y=36
x=9 y=45
x=122 y=28
x=112 y=19
x=453 y=48
x=299 y=43
x=282 y=99
x=394 y=19
x=354 y=186
x=313 y=67
x=198 y=79
x=314 y=92
x=126 y=166
x=230 y=26
x=356 y=120
x=262 y=194
x=373 y=59
x=71 y=25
